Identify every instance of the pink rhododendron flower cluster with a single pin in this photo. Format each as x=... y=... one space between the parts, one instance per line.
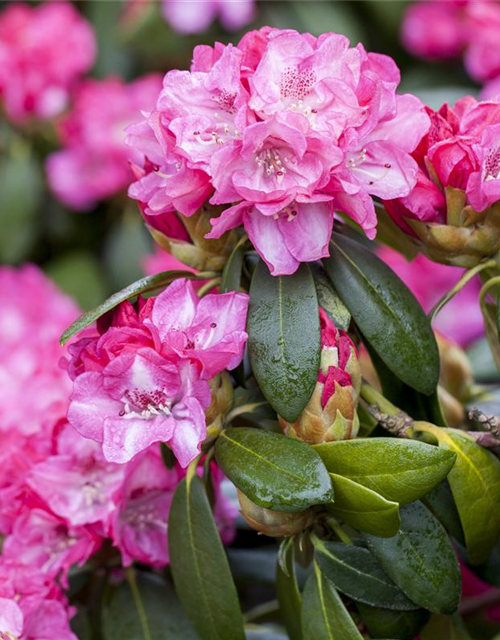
x=286 y=128
x=460 y=151
x=94 y=163
x=43 y=52
x=445 y=29
x=195 y=16
x=461 y=319
x=144 y=379
x=60 y=498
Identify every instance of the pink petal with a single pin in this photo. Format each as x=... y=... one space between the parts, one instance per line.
x=267 y=239
x=307 y=235
x=175 y=308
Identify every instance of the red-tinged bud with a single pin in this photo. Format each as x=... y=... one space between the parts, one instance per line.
x=275 y=524
x=331 y=412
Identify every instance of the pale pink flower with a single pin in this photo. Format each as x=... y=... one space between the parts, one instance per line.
x=144 y=379
x=34 y=315
x=461 y=319
x=36 y=71
x=196 y=16
x=77 y=483
x=11 y=618
x=94 y=163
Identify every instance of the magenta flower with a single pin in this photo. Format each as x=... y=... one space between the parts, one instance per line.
x=94 y=163
x=144 y=380
x=461 y=319
x=287 y=128
x=36 y=72
x=195 y=16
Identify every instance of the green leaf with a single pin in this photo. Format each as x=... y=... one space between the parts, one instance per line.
x=199 y=565
x=329 y=299
x=231 y=274
x=489 y=571
x=153 y=612
x=272 y=470
x=324 y=616
x=144 y=285
x=363 y=508
x=475 y=484
x=383 y=623
x=421 y=560
x=287 y=590
x=355 y=572
x=440 y=501
x=284 y=338
x=386 y=312
x=399 y=470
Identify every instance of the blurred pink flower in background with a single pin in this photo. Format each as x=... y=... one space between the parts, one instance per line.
x=94 y=161
x=461 y=319
x=43 y=52
x=195 y=16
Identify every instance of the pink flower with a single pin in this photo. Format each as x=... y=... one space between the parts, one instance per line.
x=144 y=379
x=195 y=16
x=461 y=319
x=483 y=186
x=36 y=72
x=287 y=128
x=77 y=483
x=482 y=57
x=34 y=315
x=436 y=29
x=11 y=618
x=94 y=163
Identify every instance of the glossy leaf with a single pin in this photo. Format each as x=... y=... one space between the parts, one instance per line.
x=363 y=508
x=421 y=560
x=199 y=565
x=399 y=470
x=475 y=484
x=152 y=613
x=324 y=615
x=440 y=501
x=284 y=338
x=386 y=312
x=231 y=274
x=272 y=470
x=356 y=572
x=329 y=299
x=287 y=590
x=144 y=285
x=384 y=623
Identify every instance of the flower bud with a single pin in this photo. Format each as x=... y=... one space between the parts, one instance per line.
x=275 y=524
x=331 y=412
x=456 y=374
x=196 y=252
x=222 y=399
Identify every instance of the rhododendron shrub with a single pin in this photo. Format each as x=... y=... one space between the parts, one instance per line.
x=274 y=360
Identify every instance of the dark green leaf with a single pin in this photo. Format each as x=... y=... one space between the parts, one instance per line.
x=399 y=470
x=355 y=572
x=475 y=484
x=383 y=623
x=324 y=615
x=283 y=553
x=154 y=613
x=440 y=501
x=144 y=285
x=231 y=275
x=441 y=627
x=329 y=300
x=363 y=508
x=489 y=571
x=199 y=565
x=289 y=596
x=421 y=560
x=272 y=470
x=386 y=312
x=284 y=338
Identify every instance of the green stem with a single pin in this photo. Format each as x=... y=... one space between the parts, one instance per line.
x=130 y=573
x=245 y=408
x=208 y=286
x=374 y=397
x=468 y=275
x=339 y=531
x=262 y=610
x=486 y=287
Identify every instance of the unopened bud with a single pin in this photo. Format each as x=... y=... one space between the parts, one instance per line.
x=453 y=410
x=456 y=373
x=275 y=524
x=331 y=412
